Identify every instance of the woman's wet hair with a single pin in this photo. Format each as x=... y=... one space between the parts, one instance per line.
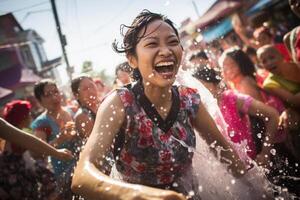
x=207 y=74
x=132 y=36
x=124 y=67
x=242 y=60
x=39 y=88
x=75 y=83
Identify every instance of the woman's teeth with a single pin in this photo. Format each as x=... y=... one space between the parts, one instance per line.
x=165 y=69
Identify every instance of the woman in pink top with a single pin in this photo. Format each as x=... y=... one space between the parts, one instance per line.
x=236 y=108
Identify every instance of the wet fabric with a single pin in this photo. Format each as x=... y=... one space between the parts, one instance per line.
x=156 y=152
x=239 y=127
x=19 y=182
x=275 y=81
x=295 y=44
x=51 y=128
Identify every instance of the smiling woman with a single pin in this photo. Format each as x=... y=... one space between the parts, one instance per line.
x=150 y=124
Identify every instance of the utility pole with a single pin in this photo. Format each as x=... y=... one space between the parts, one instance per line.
x=196 y=9
x=62 y=39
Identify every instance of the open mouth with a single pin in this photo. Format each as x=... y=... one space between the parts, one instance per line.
x=165 y=69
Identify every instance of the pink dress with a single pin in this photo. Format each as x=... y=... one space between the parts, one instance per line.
x=238 y=123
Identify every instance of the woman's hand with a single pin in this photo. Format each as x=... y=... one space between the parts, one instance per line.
x=149 y=193
x=68 y=132
x=63 y=154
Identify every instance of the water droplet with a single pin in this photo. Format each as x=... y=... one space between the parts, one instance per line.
x=231 y=133
x=232 y=181
x=82 y=124
x=273 y=152
x=200 y=188
x=175 y=184
x=191 y=193
x=259 y=135
x=148 y=83
x=111 y=119
x=151 y=75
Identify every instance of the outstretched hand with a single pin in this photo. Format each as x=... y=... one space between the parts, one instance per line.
x=64 y=154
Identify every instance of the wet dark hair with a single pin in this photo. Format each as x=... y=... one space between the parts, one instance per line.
x=125 y=67
x=132 y=38
x=199 y=55
x=40 y=86
x=249 y=50
x=243 y=61
x=207 y=74
x=75 y=83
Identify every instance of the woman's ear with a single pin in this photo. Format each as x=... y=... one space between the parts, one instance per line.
x=132 y=60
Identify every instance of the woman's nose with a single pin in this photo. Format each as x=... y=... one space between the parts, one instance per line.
x=165 y=51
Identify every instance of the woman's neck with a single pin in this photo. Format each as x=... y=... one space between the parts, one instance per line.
x=160 y=97
x=54 y=113
x=236 y=81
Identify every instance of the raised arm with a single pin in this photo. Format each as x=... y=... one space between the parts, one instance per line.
x=292 y=99
x=30 y=142
x=271 y=119
x=205 y=125
x=89 y=181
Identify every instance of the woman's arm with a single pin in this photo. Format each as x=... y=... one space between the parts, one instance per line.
x=238 y=27
x=30 y=142
x=290 y=98
x=271 y=119
x=205 y=125
x=89 y=181
x=84 y=125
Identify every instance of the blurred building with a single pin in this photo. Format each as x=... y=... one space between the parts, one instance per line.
x=22 y=60
x=214 y=26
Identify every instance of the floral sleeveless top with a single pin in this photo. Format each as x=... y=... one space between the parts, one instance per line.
x=156 y=151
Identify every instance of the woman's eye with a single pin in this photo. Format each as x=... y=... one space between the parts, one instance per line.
x=151 y=44
x=174 y=42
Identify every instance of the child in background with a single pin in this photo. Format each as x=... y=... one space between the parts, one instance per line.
x=284 y=77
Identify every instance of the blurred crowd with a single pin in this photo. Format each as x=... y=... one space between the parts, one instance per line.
x=258 y=73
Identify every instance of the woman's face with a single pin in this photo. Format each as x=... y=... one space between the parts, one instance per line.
x=158 y=54
x=51 y=99
x=295 y=6
x=269 y=60
x=230 y=69
x=87 y=92
x=263 y=39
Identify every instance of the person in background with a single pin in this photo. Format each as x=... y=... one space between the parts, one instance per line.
x=261 y=36
x=123 y=75
x=199 y=59
x=102 y=89
x=292 y=42
x=236 y=108
x=85 y=91
x=284 y=82
x=56 y=127
x=284 y=79
x=148 y=120
x=31 y=180
x=261 y=74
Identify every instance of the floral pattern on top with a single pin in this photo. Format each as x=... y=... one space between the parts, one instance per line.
x=149 y=155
